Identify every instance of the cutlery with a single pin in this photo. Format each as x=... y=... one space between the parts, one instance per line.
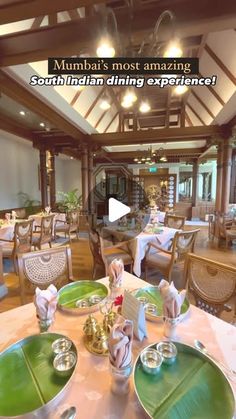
x=201 y=347
x=69 y=413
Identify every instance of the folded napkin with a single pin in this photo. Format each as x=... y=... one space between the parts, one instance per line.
x=115 y=272
x=120 y=343
x=46 y=302
x=172 y=299
x=48 y=210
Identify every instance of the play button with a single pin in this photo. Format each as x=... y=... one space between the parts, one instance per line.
x=116 y=210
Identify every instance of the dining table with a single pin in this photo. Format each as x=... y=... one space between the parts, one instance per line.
x=138 y=242
x=90 y=388
x=7 y=229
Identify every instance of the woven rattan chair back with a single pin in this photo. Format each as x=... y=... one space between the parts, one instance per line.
x=44 y=267
x=212 y=283
x=23 y=237
x=174 y=221
x=183 y=243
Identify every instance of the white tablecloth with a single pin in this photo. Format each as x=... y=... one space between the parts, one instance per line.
x=90 y=387
x=138 y=244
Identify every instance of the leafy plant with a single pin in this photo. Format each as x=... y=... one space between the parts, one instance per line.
x=28 y=203
x=69 y=201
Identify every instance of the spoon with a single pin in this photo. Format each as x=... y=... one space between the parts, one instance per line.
x=201 y=347
x=69 y=413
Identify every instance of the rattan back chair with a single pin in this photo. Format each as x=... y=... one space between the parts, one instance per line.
x=21 y=243
x=45 y=236
x=70 y=226
x=211 y=283
x=174 y=221
x=44 y=267
x=163 y=259
x=226 y=228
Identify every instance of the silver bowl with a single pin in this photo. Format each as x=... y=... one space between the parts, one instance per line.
x=82 y=303
x=143 y=300
x=151 y=360
x=168 y=351
x=64 y=363
x=151 y=309
x=61 y=345
x=95 y=299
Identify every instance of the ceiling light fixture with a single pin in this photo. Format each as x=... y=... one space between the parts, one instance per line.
x=180 y=90
x=22 y=113
x=128 y=99
x=105 y=103
x=42 y=124
x=144 y=107
x=173 y=50
x=105 y=49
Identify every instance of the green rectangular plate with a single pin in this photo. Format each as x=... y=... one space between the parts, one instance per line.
x=80 y=290
x=28 y=379
x=193 y=387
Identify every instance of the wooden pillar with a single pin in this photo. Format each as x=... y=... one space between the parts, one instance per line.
x=195 y=183
x=227 y=163
x=233 y=179
x=52 y=182
x=43 y=177
x=219 y=178
x=84 y=172
x=90 y=181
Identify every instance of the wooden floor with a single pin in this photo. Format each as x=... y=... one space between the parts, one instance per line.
x=82 y=265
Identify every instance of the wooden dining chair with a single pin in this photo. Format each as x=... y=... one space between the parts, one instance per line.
x=226 y=228
x=21 y=243
x=164 y=260
x=116 y=251
x=211 y=283
x=44 y=267
x=174 y=221
x=45 y=235
x=95 y=247
x=71 y=225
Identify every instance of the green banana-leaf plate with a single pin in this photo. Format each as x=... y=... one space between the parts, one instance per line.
x=29 y=385
x=79 y=291
x=152 y=294
x=192 y=387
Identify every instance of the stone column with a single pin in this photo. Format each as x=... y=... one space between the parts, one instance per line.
x=84 y=172
x=52 y=182
x=90 y=181
x=195 y=183
x=43 y=177
x=219 y=178
x=227 y=163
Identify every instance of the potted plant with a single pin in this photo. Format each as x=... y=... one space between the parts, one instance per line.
x=69 y=201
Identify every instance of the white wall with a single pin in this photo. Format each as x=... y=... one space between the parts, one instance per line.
x=18 y=170
x=19 y=163
x=68 y=174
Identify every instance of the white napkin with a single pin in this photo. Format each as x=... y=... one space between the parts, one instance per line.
x=172 y=299
x=46 y=302
x=120 y=343
x=115 y=272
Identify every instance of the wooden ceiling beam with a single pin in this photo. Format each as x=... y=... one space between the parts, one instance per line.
x=196 y=114
x=137 y=153
x=220 y=63
x=213 y=91
x=29 y=46
x=111 y=121
x=157 y=135
x=37 y=22
x=95 y=101
x=203 y=104
x=9 y=125
x=25 y=9
x=76 y=97
x=16 y=91
x=188 y=119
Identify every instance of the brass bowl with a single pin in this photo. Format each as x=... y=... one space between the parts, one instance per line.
x=64 y=363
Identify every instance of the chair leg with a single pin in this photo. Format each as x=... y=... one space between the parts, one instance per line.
x=15 y=264
x=50 y=244
x=146 y=272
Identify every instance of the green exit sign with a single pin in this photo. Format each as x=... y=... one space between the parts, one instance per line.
x=152 y=169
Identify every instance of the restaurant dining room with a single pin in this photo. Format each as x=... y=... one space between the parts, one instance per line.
x=117 y=209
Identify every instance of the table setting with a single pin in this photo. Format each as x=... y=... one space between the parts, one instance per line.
x=161 y=375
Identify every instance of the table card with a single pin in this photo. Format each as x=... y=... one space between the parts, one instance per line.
x=133 y=310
